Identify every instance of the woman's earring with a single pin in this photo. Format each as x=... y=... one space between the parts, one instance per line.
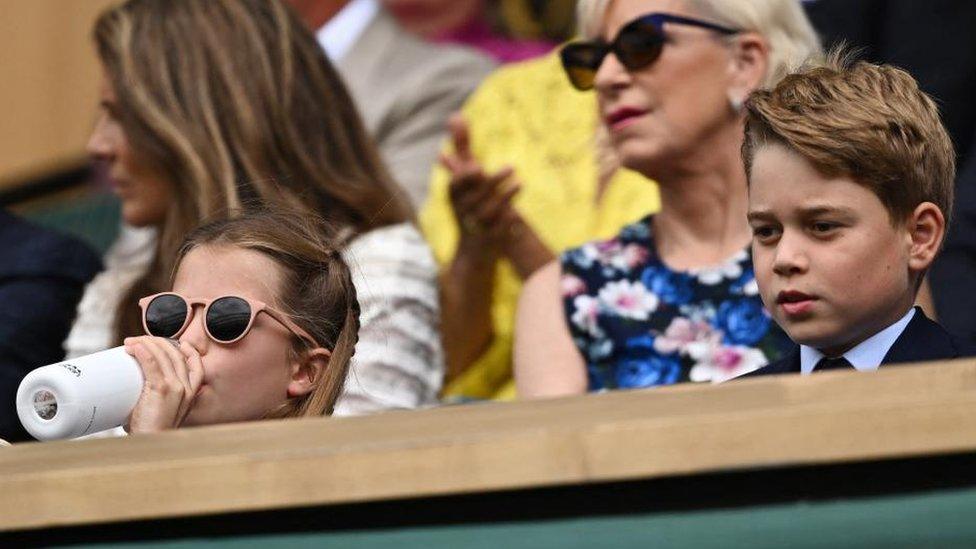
x=736 y=104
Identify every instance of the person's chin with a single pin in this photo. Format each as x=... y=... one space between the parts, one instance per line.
x=813 y=332
x=637 y=154
x=136 y=216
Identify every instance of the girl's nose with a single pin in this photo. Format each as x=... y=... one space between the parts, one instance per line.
x=195 y=333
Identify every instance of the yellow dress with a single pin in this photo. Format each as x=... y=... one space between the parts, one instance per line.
x=527 y=115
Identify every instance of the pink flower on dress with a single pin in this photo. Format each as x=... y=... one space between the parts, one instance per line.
x=687 y=337
x=586 y=313
x=630 y=256
x=572 y=285
x=725 y=363
x=628 y=299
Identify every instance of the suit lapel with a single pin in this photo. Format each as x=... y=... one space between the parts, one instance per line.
x=921 y=340
x=790 y=364
x=363 y=58
x=362 y=71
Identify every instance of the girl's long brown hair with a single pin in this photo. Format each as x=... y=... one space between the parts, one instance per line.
x=316 y=290
x=235 y=103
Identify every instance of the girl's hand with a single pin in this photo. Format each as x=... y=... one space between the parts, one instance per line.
x=172 y=378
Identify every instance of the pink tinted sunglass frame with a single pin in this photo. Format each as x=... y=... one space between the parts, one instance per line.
x=254 y=305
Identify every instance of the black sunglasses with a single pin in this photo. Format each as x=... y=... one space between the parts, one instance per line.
x=637 y=45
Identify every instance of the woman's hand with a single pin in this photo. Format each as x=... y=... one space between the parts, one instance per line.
x=172 y=378
x=482 y=202
x=490 y=227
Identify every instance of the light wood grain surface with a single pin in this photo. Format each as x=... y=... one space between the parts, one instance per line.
x=829 y=417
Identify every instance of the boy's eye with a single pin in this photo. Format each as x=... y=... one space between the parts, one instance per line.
x=764 y=232
x=823 y=227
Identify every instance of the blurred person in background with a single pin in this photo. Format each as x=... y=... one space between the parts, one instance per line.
x=253 y=120
x=465 y=22
x=42 y=276
x=673 y=297
x=935 y=42
x=404 y=88
x=529 y=136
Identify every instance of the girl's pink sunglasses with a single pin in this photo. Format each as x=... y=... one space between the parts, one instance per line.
x=227 y=319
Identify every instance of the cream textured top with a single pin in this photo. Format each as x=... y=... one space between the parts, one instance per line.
x=399 y=361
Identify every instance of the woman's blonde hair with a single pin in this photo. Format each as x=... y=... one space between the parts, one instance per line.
x=316 y=290
x=783 y=23
x=235 y=103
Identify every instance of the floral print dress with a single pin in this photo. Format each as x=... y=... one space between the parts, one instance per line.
x=638 y=323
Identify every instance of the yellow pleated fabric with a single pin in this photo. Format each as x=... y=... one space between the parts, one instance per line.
x=528 y=116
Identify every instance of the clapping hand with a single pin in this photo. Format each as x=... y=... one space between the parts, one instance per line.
x=482 y=201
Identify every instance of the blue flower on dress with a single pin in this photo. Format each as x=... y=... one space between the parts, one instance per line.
x=599 y=349
x=583 y=257
x=643 y=343
x=648 y=372
x=743 y=321
x=745 y=285
x=636 y=231
x=671 y=287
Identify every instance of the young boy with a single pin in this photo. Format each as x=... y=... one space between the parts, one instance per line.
x=850 y=190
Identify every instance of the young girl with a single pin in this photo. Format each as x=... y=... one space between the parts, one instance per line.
x=261 y=323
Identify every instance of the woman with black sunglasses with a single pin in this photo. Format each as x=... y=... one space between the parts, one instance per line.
x=672 y=298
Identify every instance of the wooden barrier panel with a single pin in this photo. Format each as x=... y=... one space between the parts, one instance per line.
x=50 y=79
x=832 y=417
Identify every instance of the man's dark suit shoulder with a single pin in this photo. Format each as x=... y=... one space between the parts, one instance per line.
x=921 y=341
x=28 y=250
x=42 y=277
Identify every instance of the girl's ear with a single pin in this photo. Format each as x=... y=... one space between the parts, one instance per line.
x=750 y=58
x=926 y=228
x=306 y=370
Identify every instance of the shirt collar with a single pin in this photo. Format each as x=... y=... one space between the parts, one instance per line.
x=338 y=35
x=865 y=356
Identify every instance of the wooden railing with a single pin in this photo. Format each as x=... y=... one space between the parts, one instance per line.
x=832 y=417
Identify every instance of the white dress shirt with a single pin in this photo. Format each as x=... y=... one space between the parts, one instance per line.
x=338 y=34
x=865 y=356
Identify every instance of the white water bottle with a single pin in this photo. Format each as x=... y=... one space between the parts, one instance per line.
x=80 y=396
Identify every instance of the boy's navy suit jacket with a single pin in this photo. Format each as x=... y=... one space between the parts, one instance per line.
x=921 y=341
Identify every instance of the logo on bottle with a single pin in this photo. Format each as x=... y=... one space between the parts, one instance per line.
x=71 y=368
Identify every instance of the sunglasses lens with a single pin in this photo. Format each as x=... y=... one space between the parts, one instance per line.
x=165 y=315
x=639 y=45
x=228 y=318
x=581 y=61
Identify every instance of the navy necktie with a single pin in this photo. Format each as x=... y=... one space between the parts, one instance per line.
x=833 y=364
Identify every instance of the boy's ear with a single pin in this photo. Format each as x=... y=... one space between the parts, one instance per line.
x=926 y=227
x=750 y=57
x=306 y=370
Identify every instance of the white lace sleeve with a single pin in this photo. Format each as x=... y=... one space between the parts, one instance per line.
x=399 y=361
x=94 y=327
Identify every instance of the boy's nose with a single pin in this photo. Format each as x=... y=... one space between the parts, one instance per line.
x=790 y=259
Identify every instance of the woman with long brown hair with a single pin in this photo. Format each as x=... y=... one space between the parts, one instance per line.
x=211 y=108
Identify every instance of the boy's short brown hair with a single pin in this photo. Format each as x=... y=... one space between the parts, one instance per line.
x=868 y=122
